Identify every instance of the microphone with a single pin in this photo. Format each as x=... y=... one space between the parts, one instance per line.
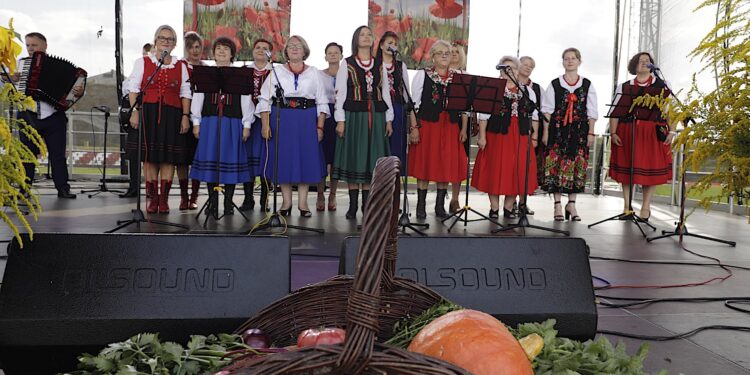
x=392 y=50
x=268 y=55
x=501 y=67
x=102 y=108
x=652 y=67
x=164 y=55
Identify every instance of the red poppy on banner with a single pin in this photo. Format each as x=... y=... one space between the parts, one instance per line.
x=242 y=21
x=419 y=23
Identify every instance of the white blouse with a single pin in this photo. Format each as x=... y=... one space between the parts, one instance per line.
x=548 y=102
x=329 y=83
x=246 y=103
x=342 y=85
x=309 y=86
x=136 y=76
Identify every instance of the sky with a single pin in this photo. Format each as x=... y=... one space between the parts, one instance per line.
x=547 y=28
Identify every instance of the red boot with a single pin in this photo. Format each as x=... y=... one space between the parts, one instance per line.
x=166 y=185
x=153 y=202
x=184 y=199
x=194 y=188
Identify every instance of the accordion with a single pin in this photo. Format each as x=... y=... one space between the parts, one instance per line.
x=50 y=79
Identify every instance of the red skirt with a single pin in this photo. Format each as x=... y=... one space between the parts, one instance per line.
x=652 y=159
x=438 y=156
x=501 y=166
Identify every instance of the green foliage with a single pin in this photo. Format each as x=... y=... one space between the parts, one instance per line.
x=570 y=357
x=405 y=329
x=721 y=130
x=145 y=354
x=13 y=153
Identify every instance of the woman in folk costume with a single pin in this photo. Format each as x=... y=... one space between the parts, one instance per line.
x=261 y=69
x=458 y=62
x=500 y=167
x=333 y=52
x=165 y=117
x=221 y=157
x=569 y=106
x=303 y=112
x=364 y=118
x=436 y=152
x=193 y=56
x=398 y=77
x=653 y=154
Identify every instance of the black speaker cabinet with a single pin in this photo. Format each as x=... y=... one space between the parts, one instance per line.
x=516 y=279
x=63 y=294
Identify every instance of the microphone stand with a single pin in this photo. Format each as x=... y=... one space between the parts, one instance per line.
x=630 y=214
x=103 y=186
x=523 y=220
x=138 y=216
x=404 y=221
x=274 y=219
x=681 y=229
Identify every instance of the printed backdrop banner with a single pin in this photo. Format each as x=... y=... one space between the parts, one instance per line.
x=419 y=23
x=243 y=21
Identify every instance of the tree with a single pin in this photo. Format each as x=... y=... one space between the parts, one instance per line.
x=721 y=127
x=13 y=153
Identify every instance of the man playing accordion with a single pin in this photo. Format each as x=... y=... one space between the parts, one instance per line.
x=51 y=125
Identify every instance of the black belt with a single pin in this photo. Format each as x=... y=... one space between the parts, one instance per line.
x=297 y=103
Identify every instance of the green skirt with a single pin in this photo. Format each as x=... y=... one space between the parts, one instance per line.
x=361 y=146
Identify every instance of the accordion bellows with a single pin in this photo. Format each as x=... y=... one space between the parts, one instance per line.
x=50 y=79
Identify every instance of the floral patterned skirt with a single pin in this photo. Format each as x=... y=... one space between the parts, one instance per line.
x=566 y=158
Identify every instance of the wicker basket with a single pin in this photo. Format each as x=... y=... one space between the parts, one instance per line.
x=367 y=305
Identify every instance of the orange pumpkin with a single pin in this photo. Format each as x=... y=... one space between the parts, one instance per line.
x=475 y=341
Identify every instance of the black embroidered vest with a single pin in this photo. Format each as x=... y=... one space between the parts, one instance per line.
x=396 y=78
x=500 y=123
x=580 y=113
x=635 y=90
x=433 y=101
x=357 y=97
x=232 y=106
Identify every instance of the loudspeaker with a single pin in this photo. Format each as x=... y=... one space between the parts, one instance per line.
x=517 y=280
x=64 y=294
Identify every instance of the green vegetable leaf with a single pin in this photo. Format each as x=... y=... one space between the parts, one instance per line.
x=104 y=364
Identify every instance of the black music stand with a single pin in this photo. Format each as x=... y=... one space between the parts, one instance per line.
x=470 y=93
x=622 y=108
x=523 y=220
x=219 y=80
x=138 y=216
x=274 y=219
x=103 y=186
x=404 y=221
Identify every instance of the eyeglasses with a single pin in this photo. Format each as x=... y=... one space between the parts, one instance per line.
x=444 y=54
x=294 y=46
x=166 y=39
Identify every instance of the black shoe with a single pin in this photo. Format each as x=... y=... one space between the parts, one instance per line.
x=509 y=214
x=353 y=203
x=129 y=194
x=66 y=194
x=494 y=214
x=440 y=203
x=286 y=212
x=421 y=199
x=248 y=203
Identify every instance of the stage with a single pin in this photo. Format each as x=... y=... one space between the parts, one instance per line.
x=315 y=257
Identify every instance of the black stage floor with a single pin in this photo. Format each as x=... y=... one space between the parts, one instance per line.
x=710 y=352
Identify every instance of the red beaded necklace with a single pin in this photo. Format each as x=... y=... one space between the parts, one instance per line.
x=644 y=83
x=363 y=65
x=574 y=83
x=289 y=65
